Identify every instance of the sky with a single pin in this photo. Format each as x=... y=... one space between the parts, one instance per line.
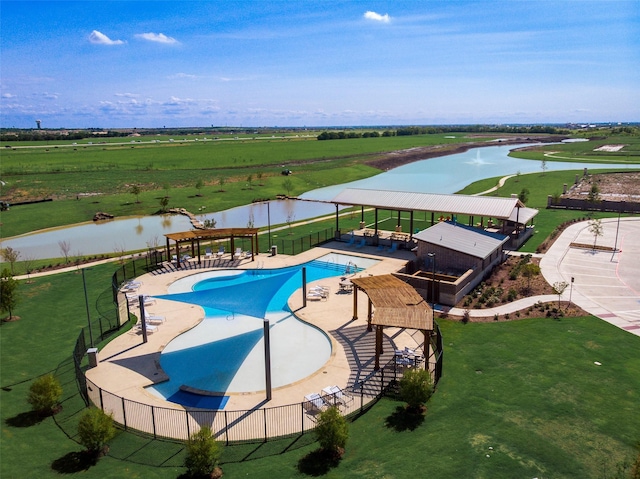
x=136 y=64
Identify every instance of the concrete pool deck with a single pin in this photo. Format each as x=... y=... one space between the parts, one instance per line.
x=126 y=365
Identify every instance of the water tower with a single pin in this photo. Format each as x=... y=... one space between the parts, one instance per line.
x=38 y=122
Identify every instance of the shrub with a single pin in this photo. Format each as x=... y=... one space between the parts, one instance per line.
x=466 y=315
x=203 y=453
x=332 y=430
x=95 y=428
x=416 y=388
x=44 y=394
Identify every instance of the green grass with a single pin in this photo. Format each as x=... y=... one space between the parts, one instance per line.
x=529 y=389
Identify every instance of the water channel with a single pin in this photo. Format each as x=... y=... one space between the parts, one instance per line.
x=446 y=174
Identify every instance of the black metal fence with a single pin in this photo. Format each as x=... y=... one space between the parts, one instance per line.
x=235 y=426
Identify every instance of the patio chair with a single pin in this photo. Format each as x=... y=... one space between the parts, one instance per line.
x=238 y=254
x=208 y=254
x=150 y=329
x=153 y=318
x=393 y=248
x=313 y=403
x=337 y=395
x=362 y=243
x=220 y=252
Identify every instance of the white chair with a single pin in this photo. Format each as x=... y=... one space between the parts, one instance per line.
x=208 y=254
x=238 y=254
x=150 y=329
x=337 y=395
x=314 y=403
x=220 y=252
x=153 y=318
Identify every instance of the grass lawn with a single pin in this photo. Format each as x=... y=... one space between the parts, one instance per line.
x=528 y=389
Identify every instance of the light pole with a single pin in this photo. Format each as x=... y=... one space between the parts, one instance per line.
x=433 y=284
x=269 y=222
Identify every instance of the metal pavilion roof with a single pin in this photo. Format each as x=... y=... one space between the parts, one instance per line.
x=487 y=206
x=464 y=239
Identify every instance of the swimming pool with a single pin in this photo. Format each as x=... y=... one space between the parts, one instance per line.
x=225 y=352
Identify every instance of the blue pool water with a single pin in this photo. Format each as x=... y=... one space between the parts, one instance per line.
x=225 y=352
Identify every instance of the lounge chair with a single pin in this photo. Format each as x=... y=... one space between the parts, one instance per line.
x=352 y=240
x=336 y=395
x=208 y=254
x=314 y=403
x=238 y=254
x=150 y=329
x=132 y=299
x=315 y=294
x=220 y=252
x=362 y=243
x=153 y=318
x=393 y=248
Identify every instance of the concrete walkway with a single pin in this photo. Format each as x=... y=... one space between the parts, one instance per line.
x=605 y=284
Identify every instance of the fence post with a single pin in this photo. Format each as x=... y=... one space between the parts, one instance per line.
x=264 y=416
x=124 y=415
x=153 y=421
x=186 y=413
x=382 y=382
x=302 y=418
x=226 y=427
x=100 y=395
x=361 y=397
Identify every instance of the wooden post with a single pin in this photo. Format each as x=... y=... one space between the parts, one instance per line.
x=355 y=303
x=378 y=347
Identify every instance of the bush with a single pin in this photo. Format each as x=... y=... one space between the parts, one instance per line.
x=332 y=430
x=416 y=388
x=44 y=394
x=203 y=453
x=95 y=428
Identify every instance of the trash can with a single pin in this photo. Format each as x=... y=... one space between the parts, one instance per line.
x=274 y=250
x=93 y=357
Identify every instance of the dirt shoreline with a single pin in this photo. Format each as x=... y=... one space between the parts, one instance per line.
x=394 y=159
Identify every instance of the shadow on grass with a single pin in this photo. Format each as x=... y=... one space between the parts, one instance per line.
x=318 y=462
x=26 y=419
x=405 y=419
x=74 y=462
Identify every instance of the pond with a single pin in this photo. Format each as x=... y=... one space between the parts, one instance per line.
x=446 y=174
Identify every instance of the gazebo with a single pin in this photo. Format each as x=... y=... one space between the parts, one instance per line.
x=194 y=237
x=397 y=305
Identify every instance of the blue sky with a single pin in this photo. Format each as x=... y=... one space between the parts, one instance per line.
x=316 y=63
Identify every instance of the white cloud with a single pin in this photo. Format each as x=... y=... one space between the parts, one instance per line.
x=180 y=75
x=156 y=37
x=8 y=95
x=127 y=95
x=100 y=38
x=376 y=17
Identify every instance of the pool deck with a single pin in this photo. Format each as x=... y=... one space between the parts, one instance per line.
x=127 y=365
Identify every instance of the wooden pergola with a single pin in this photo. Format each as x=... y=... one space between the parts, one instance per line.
x=397 y=305
x=194 y=237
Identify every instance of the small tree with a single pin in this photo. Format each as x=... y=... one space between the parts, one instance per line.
x=199 y=185
x=135 y=191
x=524 y=195
x=221 y=182
x=10 y=255
x=558 y=288
x=594 y=194
x=530 y=270
x=95 y=429
x=596 y=229
x=8 y=292
x=65 y=249
x=287 y=184
x=544 y=166
x=164 y=202
x=416 y=388
x=332 y=431
x=44 y=394
x=250 y=181
x=203 y=454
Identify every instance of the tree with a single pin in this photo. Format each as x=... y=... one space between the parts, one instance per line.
x=594 y=194
x=8 y=292
x=199 y=185
x=530 y=270
x=558 y=288
x=249 y=181
x=287 y=184
x=135 y=191
x=332 y=431
x=202 y=453
x=65 y=249
x=164 y=202
x=221 y=182
x=524 y=195
x=416 y=388
x=10 y=255
x=596 y=229
x=544 y=166
x=28 y=263
x=44 y=394
x=95 y=429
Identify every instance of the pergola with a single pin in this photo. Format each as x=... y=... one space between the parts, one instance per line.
x=194 y=237
x=397 y=305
